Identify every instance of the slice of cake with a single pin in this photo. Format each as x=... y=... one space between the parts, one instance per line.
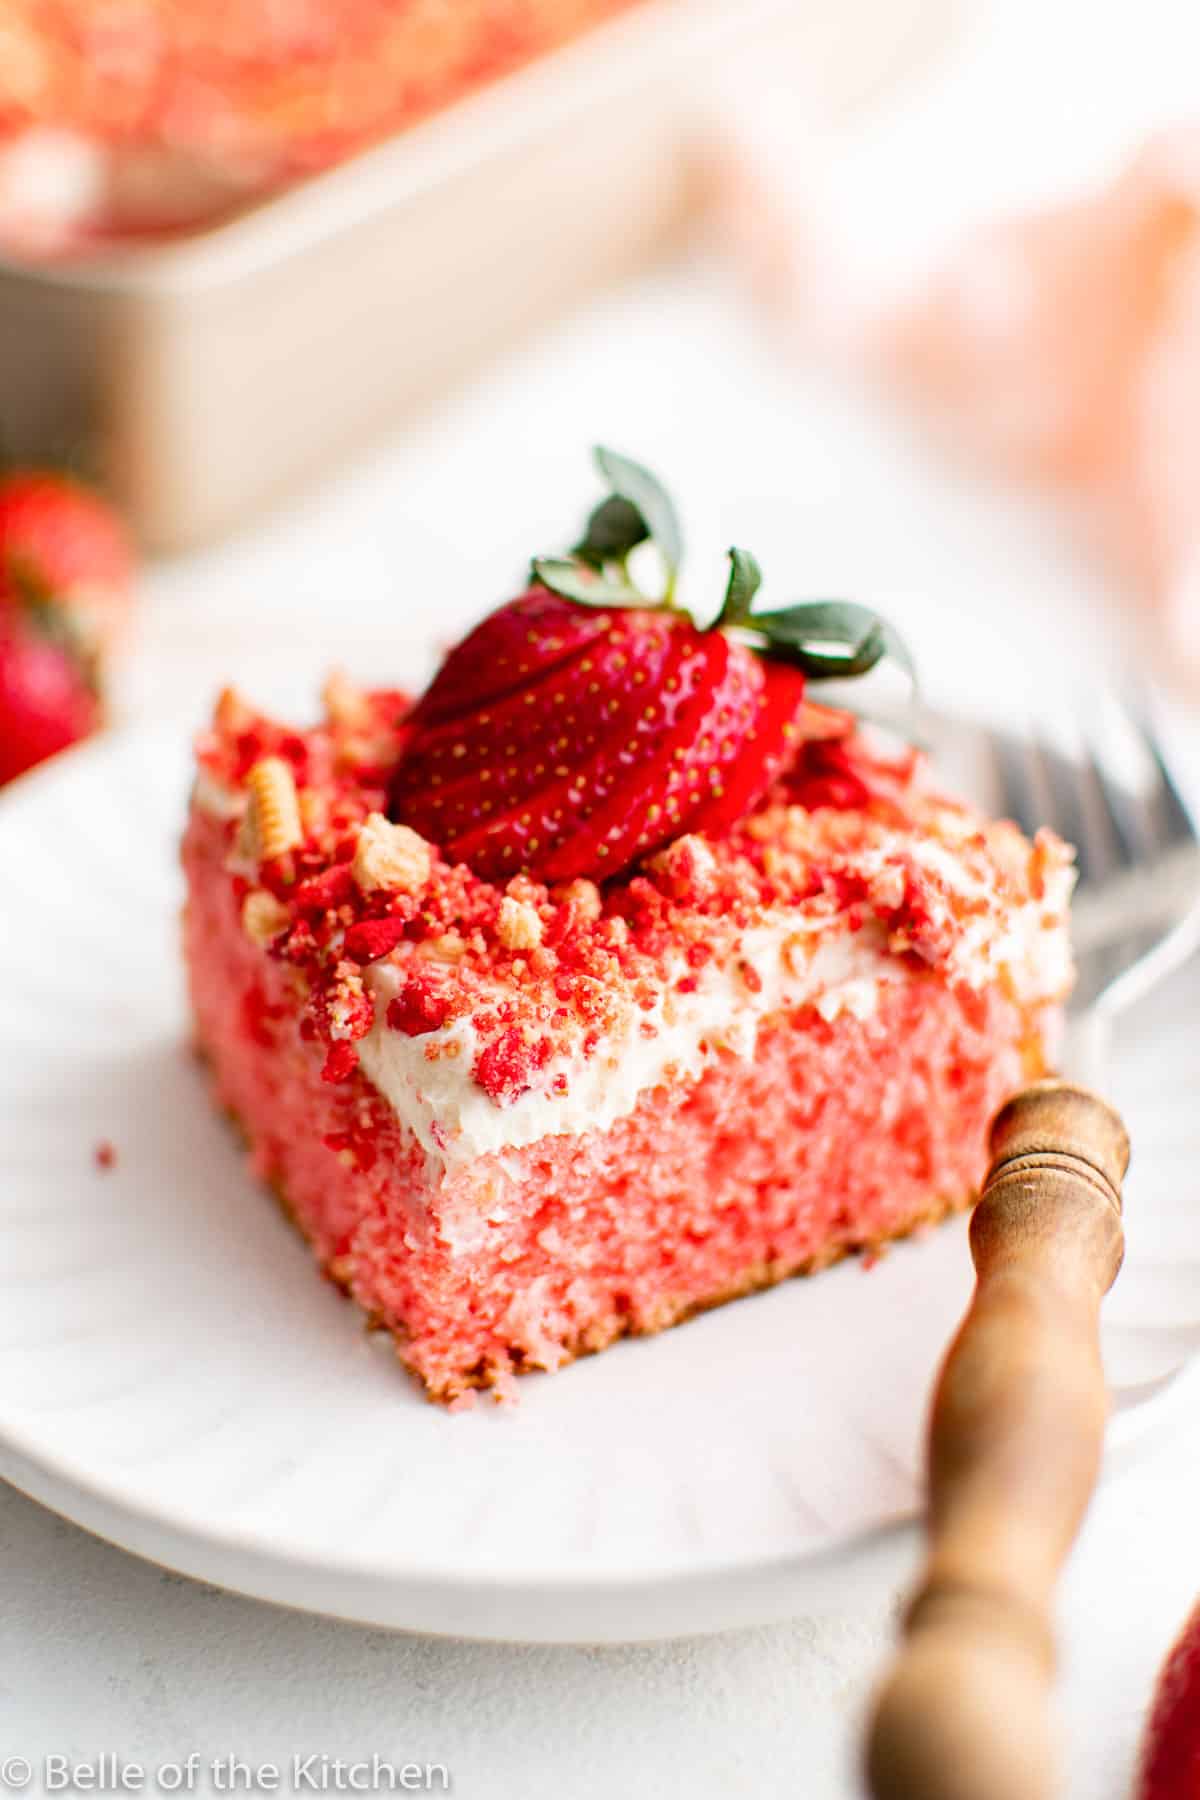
x=615 y=978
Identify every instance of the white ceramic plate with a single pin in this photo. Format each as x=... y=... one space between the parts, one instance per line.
x=174 y=1376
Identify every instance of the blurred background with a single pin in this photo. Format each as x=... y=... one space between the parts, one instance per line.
x=329 y=302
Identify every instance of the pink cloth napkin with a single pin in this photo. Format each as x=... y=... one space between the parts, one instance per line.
x=1062 y=348
x=1065 y=348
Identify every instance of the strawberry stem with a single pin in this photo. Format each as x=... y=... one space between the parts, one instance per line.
x=827 y=639
x=745 y=579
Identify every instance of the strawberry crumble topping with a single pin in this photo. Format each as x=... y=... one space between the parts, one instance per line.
x=546 y=972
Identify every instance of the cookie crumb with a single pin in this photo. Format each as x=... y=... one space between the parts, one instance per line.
x=391 y=856
x=345 y=702
x=263 y=916
x=273 y=817
x=518 y=926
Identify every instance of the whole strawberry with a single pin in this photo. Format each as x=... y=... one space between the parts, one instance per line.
x=63 y=544
x=585 y=724
x=46 y=703
x=66 y=578
x=1170 y=1768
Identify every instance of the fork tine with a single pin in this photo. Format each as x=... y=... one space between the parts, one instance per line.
x=1118 y=817
x=1075 y=815
x=1173 y=816
x=1106 y=786
x=1014 y=767
x=1119 y=814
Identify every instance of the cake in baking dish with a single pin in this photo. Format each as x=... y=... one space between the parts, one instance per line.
x=614 y=978
x=159 y=114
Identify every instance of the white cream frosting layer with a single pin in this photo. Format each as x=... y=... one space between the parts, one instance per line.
x=453 y=1117
x=438 y=1099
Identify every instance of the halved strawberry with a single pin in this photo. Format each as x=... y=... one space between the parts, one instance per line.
x=584 y=724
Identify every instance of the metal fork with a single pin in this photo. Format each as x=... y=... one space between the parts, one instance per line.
x=1018 y=1414
x=1136 y=913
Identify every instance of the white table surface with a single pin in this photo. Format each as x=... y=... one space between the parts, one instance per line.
x=99 y=1652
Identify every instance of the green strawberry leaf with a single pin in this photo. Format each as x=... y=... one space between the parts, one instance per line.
x=615 y=528
x=631 y=482
x=577 y=581
x=829 y=639
x=745 y=579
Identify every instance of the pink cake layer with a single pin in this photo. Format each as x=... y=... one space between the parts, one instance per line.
x=832 y=1137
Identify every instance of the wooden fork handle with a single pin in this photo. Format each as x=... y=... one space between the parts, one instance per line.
x=1014 y=1447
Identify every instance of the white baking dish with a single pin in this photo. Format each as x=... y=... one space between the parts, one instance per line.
x=202 y=377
